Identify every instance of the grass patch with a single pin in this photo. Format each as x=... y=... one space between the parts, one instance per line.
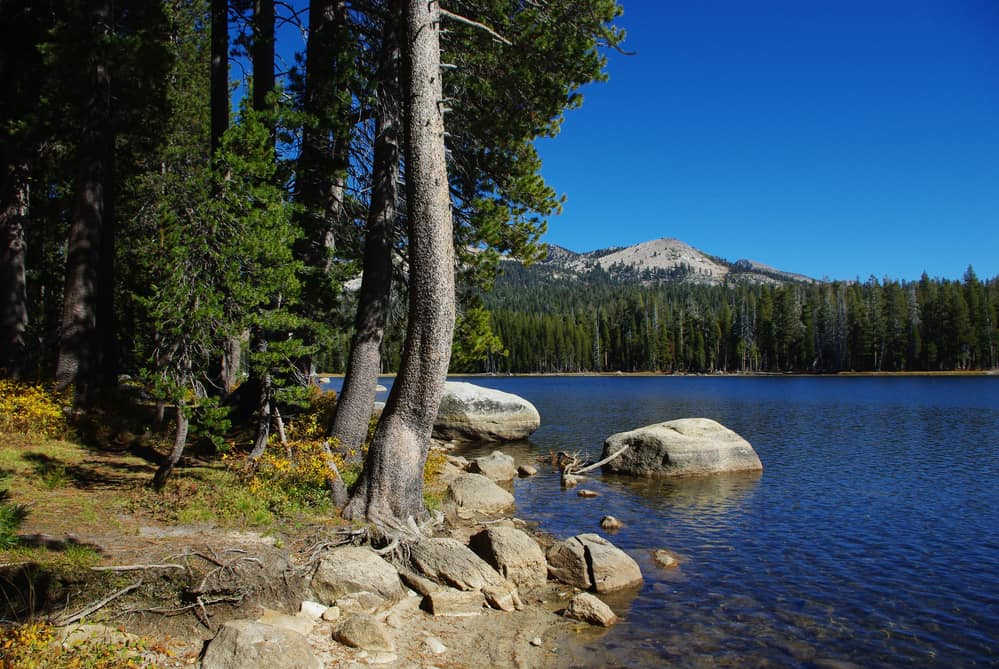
x=61 y=558
x=433 y=490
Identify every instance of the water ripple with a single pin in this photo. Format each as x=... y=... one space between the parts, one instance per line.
x=872 y=536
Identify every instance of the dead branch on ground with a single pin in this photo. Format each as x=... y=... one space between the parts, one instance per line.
x=96 y=606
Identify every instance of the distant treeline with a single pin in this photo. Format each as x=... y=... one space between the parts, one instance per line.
x=569 y=324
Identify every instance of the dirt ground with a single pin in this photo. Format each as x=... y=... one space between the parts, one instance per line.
x=183 y=580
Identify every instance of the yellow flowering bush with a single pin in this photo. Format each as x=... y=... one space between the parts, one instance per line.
x=35 y=646
x=32 y=409
x=297 y=474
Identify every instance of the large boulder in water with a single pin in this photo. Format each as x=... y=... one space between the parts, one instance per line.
x=683 y=447
x=472 y=413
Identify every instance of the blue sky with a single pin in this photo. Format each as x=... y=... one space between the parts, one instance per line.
x=837 y=139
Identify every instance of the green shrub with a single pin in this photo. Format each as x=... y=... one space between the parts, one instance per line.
x=12 y=516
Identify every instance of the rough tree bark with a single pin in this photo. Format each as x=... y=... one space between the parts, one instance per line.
x=180 y=441
x=80 y=339
x=263 y=85
x=391 y=485
x=263 y=52
x=324 y=158
x=13 y=285
x=350 y=425
x=220 y=73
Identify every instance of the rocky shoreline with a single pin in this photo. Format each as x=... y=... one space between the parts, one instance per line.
x=485 y=590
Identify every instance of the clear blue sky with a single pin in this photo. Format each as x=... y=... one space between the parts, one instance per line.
x=836 y=139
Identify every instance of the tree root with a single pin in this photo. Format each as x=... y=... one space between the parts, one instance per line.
x=96 y=606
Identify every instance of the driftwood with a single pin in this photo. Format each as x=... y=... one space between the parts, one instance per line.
x=573 y=469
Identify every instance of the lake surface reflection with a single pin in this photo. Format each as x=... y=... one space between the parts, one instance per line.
x=872 y=536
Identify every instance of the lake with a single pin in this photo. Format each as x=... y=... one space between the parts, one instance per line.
x=872 y=536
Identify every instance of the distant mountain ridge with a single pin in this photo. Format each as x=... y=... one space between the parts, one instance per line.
x=665 y=259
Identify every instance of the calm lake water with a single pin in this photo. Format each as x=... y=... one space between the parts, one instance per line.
x=872 y=536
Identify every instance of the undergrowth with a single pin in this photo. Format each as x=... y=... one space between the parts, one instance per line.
x=36 y=645
x=12 y=516
x=32 y=409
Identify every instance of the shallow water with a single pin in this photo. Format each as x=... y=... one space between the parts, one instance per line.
x=871 y=537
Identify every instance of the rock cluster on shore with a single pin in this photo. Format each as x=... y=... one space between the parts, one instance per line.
x=364 y=601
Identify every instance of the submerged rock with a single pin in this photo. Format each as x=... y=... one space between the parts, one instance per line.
x=471 y=413
x=665 y=559
x=683 y=447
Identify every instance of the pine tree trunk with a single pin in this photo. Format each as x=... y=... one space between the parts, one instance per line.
x=324 y=158
x=265 y=405
x=350 y=425
x=391 y=486
x=13 y=284
x=232 y=361
x=220 y=72
x=263 y=52
x=179 y=442
x=79 y=345
x=232 y=346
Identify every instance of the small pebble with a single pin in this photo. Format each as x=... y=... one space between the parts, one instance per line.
x=536 y=641
x=588 y=493
x=435 y=645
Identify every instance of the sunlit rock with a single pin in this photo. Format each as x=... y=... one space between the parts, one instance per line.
x=684 y=447
x=471 y=413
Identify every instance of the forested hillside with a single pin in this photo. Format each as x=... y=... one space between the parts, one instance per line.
x=552 y=322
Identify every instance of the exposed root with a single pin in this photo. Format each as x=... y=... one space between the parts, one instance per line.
x=62 y=621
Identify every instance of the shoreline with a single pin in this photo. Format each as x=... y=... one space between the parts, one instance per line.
x=818 y=375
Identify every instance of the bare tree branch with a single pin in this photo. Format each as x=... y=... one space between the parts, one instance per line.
x=475 y=24
x=602 y=462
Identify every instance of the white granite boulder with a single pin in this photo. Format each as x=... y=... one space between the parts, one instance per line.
x=247 y=644
x=513 y=553
x=365 y=632
x=475 y=493
x=497 y=465
x=351 y=569
x=472 y=413
x=453 y=563
x=683 y=447
x=589 y=561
